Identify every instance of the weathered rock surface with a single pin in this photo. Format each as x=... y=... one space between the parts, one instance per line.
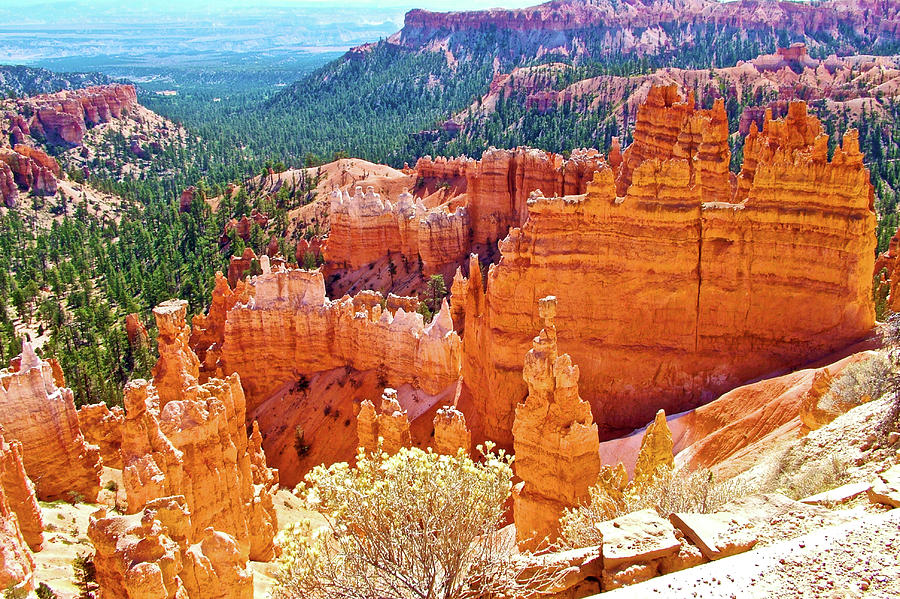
x=389 y=425
x=184 y=438
x=718 y=535
x=16 y=562
x=19 y=492
x=450 y=432
x=102 y=427
x=633 y=547
x=289 y=327
x=656 y=450
x=886 y=488
x=64 y=117
x=719 y=271
x=486 y=198
x=555 y=439
x=149 y=554
x=42 y=417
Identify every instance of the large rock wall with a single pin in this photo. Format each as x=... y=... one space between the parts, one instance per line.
x=42 y=417
x=290 y=328
x=670 y=300
x=184 y=438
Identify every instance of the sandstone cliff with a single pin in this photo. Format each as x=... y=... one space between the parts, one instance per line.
x=42 y=417
x=555 y=439
x=184 y=438
x=20 y=495
x=485 y=198
x=655 y=283
x=102 y=427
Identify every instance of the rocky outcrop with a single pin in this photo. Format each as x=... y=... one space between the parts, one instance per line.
x=450 y=432
x=555 y=439
x=888 y=268
x=9 y=191
x=42 y=417
x=102 y=427
x=387 y=430
x=486 y=198
x=19 y=492
x=136 y=331
x=239 y=265
x=642 y=27
x=655 y=283
x=28 y=170
x=656 y=451
x=149 y=554
x=184 y=438
x=289 y=327
x=16 y=562
x=65 y=116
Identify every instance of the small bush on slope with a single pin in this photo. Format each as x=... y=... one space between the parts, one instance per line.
x=415 y=524
x=668 y=492
x=869 y=378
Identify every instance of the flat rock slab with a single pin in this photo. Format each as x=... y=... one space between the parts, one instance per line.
x=838 y=495
x=637 y=537
x=854 y=560
x=718 y=535
x=886 y=488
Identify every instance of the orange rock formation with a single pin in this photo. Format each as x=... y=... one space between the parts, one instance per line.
x=324 y=334
x=181 y=437
x=42 y=417
x=150 y=555
x=102 y=427
x=649 y=333
x=656 y=450
x=19 y=492
x=390 y=426
x=16 y=562
x=556 y=440
x=486 y=198
x=450 y=432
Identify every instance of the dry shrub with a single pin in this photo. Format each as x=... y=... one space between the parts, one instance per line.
x=868 y=378
x=412 y=525
x=668 y=492
x=797 y=479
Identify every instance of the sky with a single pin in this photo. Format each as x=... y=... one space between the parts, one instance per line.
x=33 y=31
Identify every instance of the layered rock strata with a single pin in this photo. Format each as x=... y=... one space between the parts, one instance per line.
x=289 y=327
x=16 y=562
x=555 y=439
x=184 y=438
x=649 y=333
x=64 y=117
x=42 y=417
x=487 y=197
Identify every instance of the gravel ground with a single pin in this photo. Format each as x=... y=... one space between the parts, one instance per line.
x=854 y=560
